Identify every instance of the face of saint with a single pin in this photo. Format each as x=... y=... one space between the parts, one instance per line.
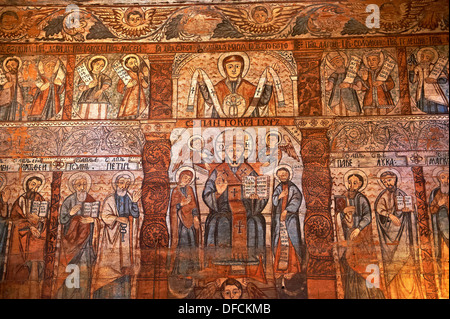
x=260 y=16
x=134 y=19
x=354 y=184
x=97 y=66
x=12 y=66
x=272 y=140
x=33 y=185
x=338 y=63
x=373 y=61
x=132 y=64
x=197 y=144
x=9 y=21
x=185 y=179
x=283 y=176
x=234 y=153
x=426 y=57
x=443 y=180
x=80 y=185
x=48 y=68
x=231 y=292
x=233 y=69
x=389 y=182
x=123 y=184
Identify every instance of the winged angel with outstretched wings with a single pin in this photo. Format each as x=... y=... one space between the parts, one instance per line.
x=133 y=23
x=403 y=15
x=16 y=23
x=260 y=20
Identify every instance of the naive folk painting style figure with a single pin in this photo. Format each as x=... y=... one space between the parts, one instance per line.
x=235 y=228
x=234 y=96
x=231 y=288
x=11 y=91
x=343 y=99
x=355 y=214
x=115 y=267
x=440 y=222
x=94 y=102
x=396 y=230
x=427 y=75
x=377 y=83
x=47 y=94
x=79 y=232
x=134 y=101
x=286 y=235
x=277 y=145
x=4 y=215
x=185 y=226
x=25 y=259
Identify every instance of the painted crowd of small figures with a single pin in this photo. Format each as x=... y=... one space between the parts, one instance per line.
x=228 y=253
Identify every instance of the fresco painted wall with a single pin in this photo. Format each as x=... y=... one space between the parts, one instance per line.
x=224 y=151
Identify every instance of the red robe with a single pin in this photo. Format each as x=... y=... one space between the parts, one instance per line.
x=41 y=98
x=23 y=248
x=133 y=96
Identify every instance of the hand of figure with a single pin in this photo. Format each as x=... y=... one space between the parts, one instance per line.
x=377 y=83
x=395 y=220
x=87 y=220
x=92 y=84
x=283 y=194
x=45 y=86
x=74 y=210
x=443 y=201
x=254 y=196
x=35 y=232
x=221 y=184
x=123 y=220
x=196 y=222
x=354 y=233
x=33 y=218
x=430 y=80
x=349 y=210
x=58 y=82
x=344 y=85
x=7 y=85
x=98 y=94
x=283 y=215
x=131 y=83
x=186 y=200
x=136 y=196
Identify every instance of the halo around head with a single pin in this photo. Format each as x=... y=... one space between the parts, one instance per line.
x=239 y=136
x=291 y=172
x=273 y=132
x=97 y=57
x=121 y=174
x=438 y=171
x=25 y=180
x=381 y=171
x=358 y=172
x=2 y=182
x=373 y=52
x=183 y=169
x=77 y=176
x=245 y=67
x=194 y=137
x=433 y=50
x=12 y=58
x=332 y=55
x=130 y=56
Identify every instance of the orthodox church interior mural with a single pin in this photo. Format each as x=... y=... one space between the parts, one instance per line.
x=224 y=150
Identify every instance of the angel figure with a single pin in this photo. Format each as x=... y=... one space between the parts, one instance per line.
x=16 y=23
x=231 y=288
x=134 y=22
x=260 y=21
x=198 y=153
x=276 y=145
